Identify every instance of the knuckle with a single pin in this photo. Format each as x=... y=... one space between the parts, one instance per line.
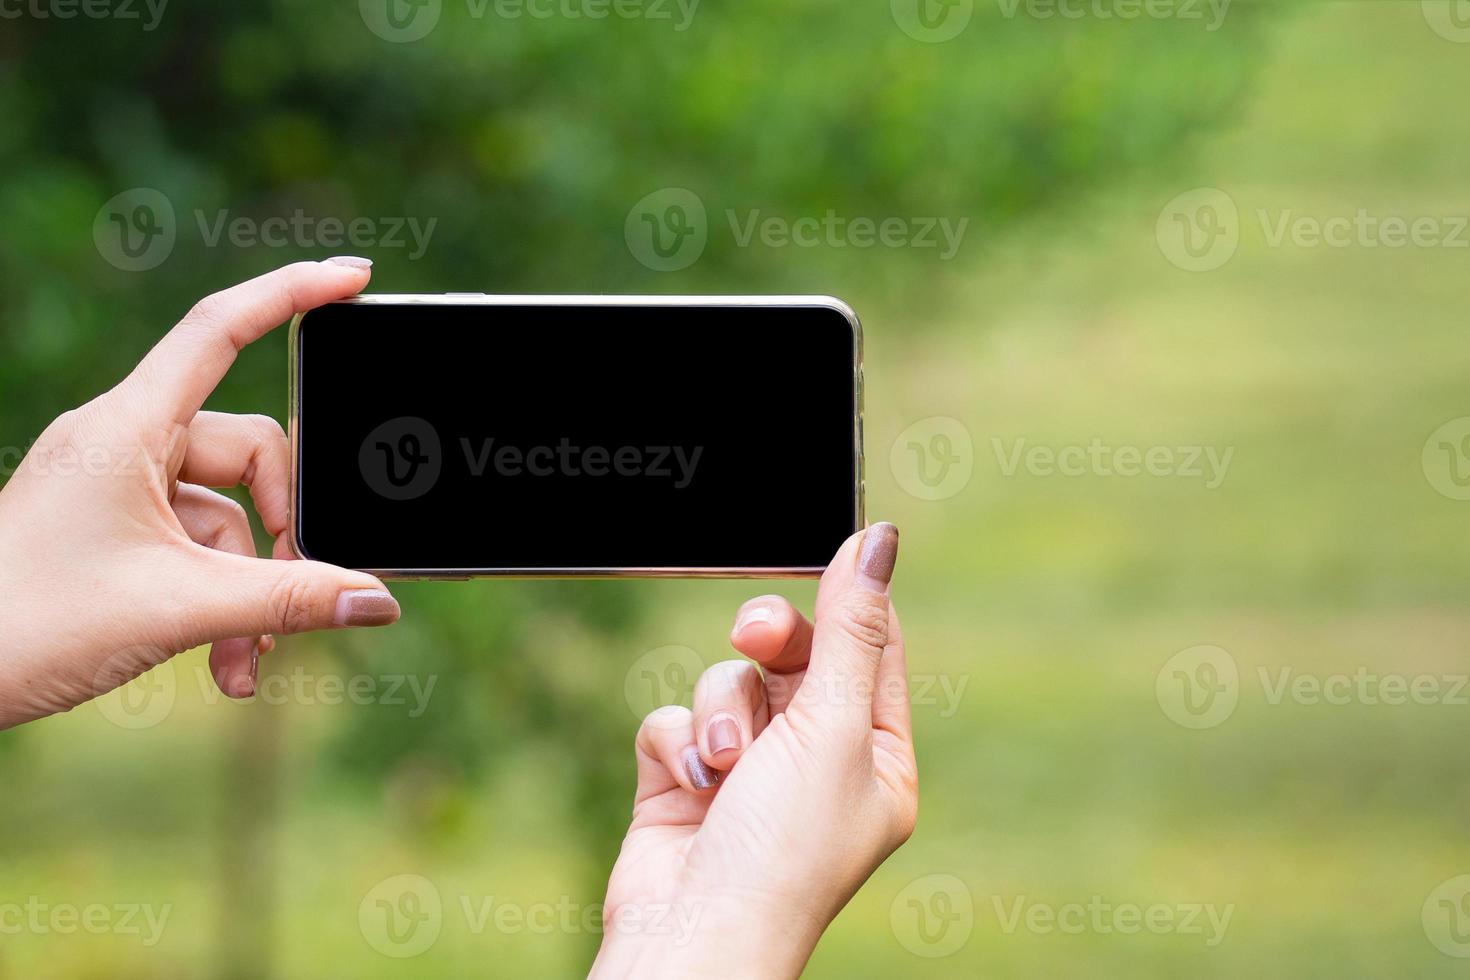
x=863 y=619
x=208 y=312
x=291 y=604
x=268 y=430
x=235 y=512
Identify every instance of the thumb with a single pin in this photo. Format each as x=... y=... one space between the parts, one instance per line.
x=251 y=596
x=852 y=617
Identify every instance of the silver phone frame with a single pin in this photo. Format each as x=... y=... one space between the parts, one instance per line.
x=482 y=299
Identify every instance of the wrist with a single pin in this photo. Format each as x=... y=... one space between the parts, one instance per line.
x=727 y=935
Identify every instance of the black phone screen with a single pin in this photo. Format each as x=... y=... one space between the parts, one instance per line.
x=483 y=437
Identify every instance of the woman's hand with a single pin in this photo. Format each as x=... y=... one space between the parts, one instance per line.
x=114 y=556
x=759 y=813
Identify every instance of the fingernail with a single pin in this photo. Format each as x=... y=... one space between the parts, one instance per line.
x=351 y=261
x=254 y=670
x=877 y=556
x=723 y=733
x=701 y=776
x=754 y=614
x=366 y=607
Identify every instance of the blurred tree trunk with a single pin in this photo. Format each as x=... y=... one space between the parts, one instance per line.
x=250 y=803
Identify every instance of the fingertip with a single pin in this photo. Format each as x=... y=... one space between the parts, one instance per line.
x=762 y=627
x=234 y=665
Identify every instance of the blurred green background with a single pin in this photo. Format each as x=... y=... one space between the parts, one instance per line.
x=1098 y=658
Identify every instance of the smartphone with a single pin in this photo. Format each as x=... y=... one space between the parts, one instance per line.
x=464 y=435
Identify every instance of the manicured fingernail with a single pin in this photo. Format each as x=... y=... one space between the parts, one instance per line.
x=877 y=556
x=700 y=775
x=351 y=261
x=754 y=614
x=723 y=733
x=365 y=607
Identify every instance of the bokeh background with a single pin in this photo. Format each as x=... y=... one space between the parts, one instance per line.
x=1119 y=679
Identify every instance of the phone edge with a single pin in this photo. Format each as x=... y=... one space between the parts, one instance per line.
x=293 y=374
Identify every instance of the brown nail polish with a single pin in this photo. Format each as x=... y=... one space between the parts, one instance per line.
x=366 y=607
x=700 y=775
x=878 y=554
x=724 y=733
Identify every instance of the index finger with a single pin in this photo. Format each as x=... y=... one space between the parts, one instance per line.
x=179 y=373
